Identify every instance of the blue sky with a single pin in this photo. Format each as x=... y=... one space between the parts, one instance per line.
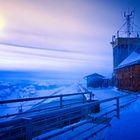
x=60 y=37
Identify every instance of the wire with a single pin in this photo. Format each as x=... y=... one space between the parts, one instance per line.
x=122 y=26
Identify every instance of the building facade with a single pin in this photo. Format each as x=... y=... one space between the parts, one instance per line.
x=127 y=74
x=126 y=56
x=97 y=81
x=128 y=78
x=122 y=48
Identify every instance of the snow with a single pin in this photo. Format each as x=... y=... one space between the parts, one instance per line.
x=81 y=132
x=132 y=59
x=94 y=75
x=78 y=133
x=128 y=126
x=120 y=129
x=27 y=89
x=105 y=93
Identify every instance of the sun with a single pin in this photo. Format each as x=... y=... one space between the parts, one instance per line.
x=2 y=23
x=2 y=26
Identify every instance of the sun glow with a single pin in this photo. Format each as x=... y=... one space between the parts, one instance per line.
x=2 y=23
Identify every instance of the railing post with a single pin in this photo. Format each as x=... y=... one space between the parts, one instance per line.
x=28 y=124
x=118 y=107
x=83 y=97
x=61 y=101
x=117 y=34
x=90 y=96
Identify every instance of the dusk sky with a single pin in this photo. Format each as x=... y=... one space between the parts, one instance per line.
x=60 y=36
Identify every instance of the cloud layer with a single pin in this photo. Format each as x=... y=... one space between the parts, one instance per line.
x=64 y=35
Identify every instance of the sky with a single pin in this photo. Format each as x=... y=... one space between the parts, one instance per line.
x=60 y=38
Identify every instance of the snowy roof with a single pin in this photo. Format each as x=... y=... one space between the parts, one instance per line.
x=95 y=75
x=133 y=58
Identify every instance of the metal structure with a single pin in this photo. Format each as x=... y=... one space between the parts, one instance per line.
x=128 y=17
x=129 y=28
x=126 y=41
x=71 y=119
x=40 y=104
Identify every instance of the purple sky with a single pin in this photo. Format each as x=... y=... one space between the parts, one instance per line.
x=64 y=36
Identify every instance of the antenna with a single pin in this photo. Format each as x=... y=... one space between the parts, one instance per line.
x=129 y=16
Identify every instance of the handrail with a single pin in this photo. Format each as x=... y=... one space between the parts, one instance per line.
x=63 y=115
x=62 y=102
x=74 y=108
x=88 y=104
x=39 y=98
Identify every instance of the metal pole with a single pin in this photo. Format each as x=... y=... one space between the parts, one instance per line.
x=90 y=96
x=128 y=25
x=128 y=17
x=83 y=97
x=118 y=107
x=28 y=125
x=61 y=100
x=117 y=34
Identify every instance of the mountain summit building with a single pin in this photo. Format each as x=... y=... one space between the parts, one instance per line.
x=126 y=56
x=122 y=48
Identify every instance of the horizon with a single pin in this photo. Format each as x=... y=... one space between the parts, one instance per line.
x=59 y=39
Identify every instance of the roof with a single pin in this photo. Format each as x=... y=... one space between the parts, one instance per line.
x=133 y=58
x=95 y=75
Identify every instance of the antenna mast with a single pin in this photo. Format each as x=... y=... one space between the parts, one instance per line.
x=128 y=16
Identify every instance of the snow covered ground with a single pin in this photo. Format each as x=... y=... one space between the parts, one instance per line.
x=128 y=126
x=28 y=89
x=105 y=93
x=125 y=128
x=121 y=129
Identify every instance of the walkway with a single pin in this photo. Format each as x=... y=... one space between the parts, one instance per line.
x=128 y=127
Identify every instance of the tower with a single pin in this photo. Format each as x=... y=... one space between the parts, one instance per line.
x=126 y=41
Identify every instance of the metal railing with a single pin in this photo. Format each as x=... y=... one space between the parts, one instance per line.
x=30 y=105
x=70 y=118
x=135 y=34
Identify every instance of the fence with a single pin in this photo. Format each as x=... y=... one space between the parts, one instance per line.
x=19 y=107
x=69 y=118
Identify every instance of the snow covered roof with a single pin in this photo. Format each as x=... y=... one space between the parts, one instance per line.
x=133 y=58
x=95 y=75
